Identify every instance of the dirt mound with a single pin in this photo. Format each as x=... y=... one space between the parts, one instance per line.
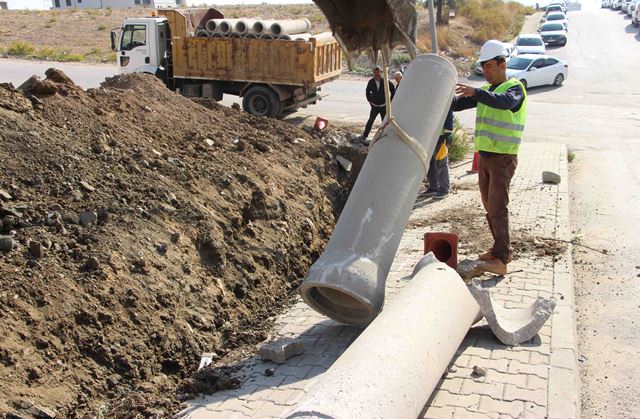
x=139 y=230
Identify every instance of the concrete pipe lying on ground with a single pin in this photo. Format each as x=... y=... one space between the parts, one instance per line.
x=251 y=35
x=202 y=33
x=290 y=26
x=347 y=282
x=284 y=37
x=243 y=26
x=393 y=367
x=212 y=25
x=226 y=26
x=266 y=36
x=262 y=26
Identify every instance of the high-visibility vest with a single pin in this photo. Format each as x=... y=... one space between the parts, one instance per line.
x=500 y=130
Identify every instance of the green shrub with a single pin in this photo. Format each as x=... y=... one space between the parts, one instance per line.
x=461 y=144
x=397 y=59
x=102 y=27
x=20 y=49
x=54 y=54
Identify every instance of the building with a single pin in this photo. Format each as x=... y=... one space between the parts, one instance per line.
x=25 y=4
x=115 y=4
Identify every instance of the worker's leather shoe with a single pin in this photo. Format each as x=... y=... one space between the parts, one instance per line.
x=495 y=266
x=486 y=255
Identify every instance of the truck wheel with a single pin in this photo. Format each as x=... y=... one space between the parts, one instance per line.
x=261 y=101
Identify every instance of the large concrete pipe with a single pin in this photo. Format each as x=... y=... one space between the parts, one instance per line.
x=290 y=26
x=262 y=26
x=284 y=37
x=266 y=36
x=243 y=26
x=212 y=25
x=226 y=26
x=393 y=367
x=301 y=37
x=347 y=282
x=202 y=33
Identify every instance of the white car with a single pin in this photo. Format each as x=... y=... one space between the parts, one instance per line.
x=562 y=5
x=537 y=70
x=553 y=8
x=557 y=18
x=632 y=8
x=511 y=50
x=530 y=44
x=635 y=17
x=625 y=5
x=553 y=33
x=605 y=3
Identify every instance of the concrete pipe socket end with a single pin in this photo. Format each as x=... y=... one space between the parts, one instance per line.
x=338 y=304
x=349 y=295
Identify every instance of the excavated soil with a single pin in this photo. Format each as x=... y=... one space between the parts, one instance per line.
x=139 y=230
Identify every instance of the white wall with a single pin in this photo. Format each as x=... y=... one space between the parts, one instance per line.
x=28 y=4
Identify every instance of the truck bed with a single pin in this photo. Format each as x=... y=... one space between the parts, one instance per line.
x=297 y=63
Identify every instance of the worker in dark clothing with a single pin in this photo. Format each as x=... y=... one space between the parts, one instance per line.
x=501 y=109
x=438 y=174
x=375 y=96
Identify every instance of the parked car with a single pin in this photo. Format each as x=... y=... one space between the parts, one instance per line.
x=530 y=44
x=561 y=4
x=617 y=4
x=635 y=17
x=625 y=5
x=632 y=8
x=605 y=4
x=511 y=50
x=537 y=70
x=553 y=33
x=554 y=8
x=557 y=18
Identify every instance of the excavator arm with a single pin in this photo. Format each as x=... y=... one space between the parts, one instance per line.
x=371 y=25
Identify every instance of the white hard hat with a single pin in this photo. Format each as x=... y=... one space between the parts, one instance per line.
x=492 y=49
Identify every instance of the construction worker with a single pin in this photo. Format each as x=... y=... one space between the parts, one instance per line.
x=397 y=76
x=375 y=96
x=500 y=116
x=438 y=174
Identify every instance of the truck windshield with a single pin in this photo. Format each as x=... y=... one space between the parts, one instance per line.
x=133 y=36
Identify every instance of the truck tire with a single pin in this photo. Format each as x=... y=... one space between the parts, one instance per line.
x=261 y=101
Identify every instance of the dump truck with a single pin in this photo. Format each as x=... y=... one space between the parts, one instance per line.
x=271 y=76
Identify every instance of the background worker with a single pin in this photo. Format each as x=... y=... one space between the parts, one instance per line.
x=500 y=116
x=397 y=76
x=438 y=174
x=375 y=96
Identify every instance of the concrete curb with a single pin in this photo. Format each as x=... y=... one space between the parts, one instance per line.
x=564 y=378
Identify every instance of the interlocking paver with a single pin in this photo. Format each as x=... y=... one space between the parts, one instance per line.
x=524 y=381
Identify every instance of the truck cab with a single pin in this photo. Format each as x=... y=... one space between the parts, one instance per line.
x=142 y=44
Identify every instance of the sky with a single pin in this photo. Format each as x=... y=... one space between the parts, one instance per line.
x=223 y=2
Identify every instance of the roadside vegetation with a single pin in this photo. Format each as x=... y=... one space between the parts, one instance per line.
x=461 y=144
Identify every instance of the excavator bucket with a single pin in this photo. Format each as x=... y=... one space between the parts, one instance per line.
x=371 y=25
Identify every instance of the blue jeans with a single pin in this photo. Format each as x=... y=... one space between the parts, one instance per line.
x=438 y=174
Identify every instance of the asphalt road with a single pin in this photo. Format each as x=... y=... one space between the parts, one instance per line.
x=597 y=114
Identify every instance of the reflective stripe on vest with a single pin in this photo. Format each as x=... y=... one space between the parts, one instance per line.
x=500 y=130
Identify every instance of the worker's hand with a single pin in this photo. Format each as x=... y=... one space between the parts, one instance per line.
x=465 y=90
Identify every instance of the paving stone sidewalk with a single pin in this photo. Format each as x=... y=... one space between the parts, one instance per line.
x=537 y=379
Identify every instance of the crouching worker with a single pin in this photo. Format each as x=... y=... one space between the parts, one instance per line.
x=438 y=174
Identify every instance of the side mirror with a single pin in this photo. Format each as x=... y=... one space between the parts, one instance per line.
x=113 y=40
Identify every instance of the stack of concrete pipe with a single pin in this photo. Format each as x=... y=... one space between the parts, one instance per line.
x=284 y=29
